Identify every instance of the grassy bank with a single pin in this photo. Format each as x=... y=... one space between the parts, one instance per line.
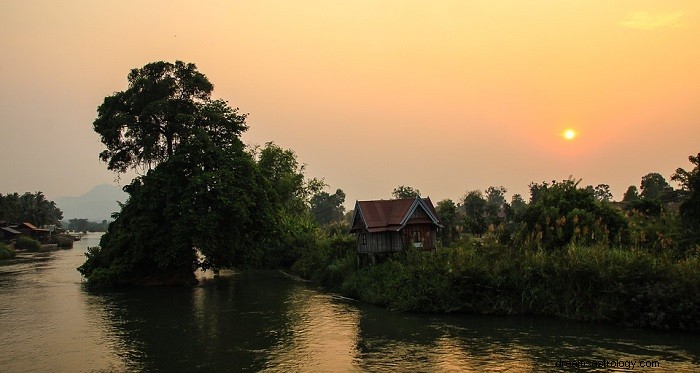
x=597 y=283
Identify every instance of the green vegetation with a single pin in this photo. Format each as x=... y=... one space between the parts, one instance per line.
x=28 y=244
x=598 y=283
x=569 y=253
x=84 y=225
x=63 y=241
x=29 y=207
x=6 y=252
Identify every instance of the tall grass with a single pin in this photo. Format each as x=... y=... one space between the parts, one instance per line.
x=596 y=283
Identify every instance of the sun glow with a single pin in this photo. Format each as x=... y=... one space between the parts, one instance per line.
x=569 y=134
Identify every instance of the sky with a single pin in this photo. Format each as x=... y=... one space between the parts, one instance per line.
x=442 y=96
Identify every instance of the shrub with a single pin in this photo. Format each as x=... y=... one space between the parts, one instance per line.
x=62 y=240
x=28 y=244
x=6 y=252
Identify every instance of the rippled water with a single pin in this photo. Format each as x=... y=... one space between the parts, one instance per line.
x=269 y=321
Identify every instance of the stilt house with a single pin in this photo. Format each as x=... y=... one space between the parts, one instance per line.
x=387 y=225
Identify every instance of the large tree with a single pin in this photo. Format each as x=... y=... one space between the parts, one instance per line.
x=447 y=212
x=201 y=191
x=328 y=208
x=162 y=106
x=655 y=187
x=474 y=210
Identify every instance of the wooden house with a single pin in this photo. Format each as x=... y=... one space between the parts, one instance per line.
x=8 y=233
x=388 y=225
x=28 y=229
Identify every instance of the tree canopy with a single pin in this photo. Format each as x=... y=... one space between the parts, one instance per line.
x=164 y=105
x=655 y=187
x=204 y=200
x=29 y=207
x=690 y=187
x=562 y=212
x=328 y=208
x=403 y=191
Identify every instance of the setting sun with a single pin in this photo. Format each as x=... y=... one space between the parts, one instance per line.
x=569 y=134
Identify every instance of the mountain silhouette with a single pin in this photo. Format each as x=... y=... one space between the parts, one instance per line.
x=96 y=205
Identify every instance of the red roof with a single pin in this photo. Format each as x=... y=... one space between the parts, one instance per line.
x=32 y=227
x=390 y=215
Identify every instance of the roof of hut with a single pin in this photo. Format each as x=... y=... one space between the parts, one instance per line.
x=390 y=215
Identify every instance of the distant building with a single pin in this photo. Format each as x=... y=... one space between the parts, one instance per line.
x=8 y=234
x=28 y=229
x=388 y=225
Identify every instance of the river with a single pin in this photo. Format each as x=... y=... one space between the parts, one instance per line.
x=269 y=321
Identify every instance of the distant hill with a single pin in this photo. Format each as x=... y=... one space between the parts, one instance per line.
x=95 y=205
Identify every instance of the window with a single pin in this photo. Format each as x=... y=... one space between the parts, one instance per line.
x=364 y=238
x=416 y=236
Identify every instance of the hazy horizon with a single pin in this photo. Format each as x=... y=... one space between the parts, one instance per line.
x=445 y=97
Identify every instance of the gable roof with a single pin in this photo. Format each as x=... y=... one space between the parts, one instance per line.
x=31 y=227
x=10 y=230
x=390 y=215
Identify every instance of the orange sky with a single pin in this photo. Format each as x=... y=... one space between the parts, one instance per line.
x=444 y=96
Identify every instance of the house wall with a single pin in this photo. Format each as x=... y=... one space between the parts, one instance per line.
x=389 y=242
x=381 y=242
x=426 y=233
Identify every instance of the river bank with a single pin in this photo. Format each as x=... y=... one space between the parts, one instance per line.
x=627 y=287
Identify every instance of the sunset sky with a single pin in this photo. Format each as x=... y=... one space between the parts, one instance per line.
x=444 y=96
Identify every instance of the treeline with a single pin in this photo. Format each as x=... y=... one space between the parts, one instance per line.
x=85 y=225
x=660 y=218
x=33 y=208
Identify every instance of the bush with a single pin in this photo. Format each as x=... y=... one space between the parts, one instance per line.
x=6 y=252
x=62 y=240
x=589 y=283
x=28 y=244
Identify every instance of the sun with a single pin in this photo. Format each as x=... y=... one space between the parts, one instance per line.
x=569 y=134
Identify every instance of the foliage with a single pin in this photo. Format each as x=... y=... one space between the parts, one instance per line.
x=631 y=195
x=328 y=208
x=164 y=105
x=602 y=192
x=84 y=225
x=564 y=213
x=448 y=215
x=29 y=207
x=690 y=207
x=518 y=206
x=291 y=191
x=28 y=244
x=6 y=252
x=204 y=201
x=655 y=187
x=403 y=191
x=474 y=207
x=660 y=233
x=62 y=240
x=593 y=283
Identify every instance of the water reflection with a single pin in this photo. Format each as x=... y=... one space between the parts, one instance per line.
x=321 y=336
x=265 y=320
